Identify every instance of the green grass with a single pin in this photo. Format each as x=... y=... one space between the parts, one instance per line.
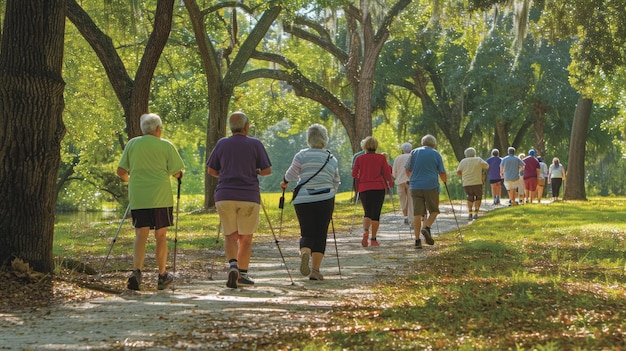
x=526 y=278
x=532 y=277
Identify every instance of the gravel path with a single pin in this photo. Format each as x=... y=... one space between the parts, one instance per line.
x=201 y=313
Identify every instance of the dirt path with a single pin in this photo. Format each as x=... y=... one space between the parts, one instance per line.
x=203 y=314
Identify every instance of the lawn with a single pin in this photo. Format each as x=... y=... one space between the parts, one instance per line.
x=531 y=277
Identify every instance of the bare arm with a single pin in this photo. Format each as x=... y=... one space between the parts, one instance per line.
x=123 y=174
x=444 y=177
x=213 y=172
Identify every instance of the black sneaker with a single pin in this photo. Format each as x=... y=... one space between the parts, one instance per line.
x=233 y=274
x=470 y=217
x=426 y=233
x=164 y=280
x=134 y=280
x=418 y=243
x=244 y=281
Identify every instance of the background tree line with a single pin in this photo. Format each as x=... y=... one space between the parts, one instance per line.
x=486 y=74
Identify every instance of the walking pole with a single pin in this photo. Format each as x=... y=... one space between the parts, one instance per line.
x=113 y=242
x=276 y=241
x=332 y=223
x=281 y=205
x=356 y=201
x=176 y=226
x=454 y=214
x=217 y=241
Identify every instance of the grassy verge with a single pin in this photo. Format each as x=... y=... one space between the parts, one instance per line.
x=534 y=277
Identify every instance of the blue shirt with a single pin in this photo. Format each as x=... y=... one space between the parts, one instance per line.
x=511 y=164
x=425 y=165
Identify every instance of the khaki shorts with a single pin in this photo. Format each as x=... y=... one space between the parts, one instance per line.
x=425 y=200
x=238 y=216
x=541 y=182
x=511 y=184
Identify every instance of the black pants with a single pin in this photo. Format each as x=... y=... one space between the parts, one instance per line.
x=314 y=218
x=556 y=186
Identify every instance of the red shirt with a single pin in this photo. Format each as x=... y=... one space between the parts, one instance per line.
x=372 y=172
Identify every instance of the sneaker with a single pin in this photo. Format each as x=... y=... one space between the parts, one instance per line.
x=304 y=263
x=134 y=280
x=374 y=242
x=233 y=274
x=164 y=280
x=366 y=236
x=244 y=281
x=418 y=243
x=315 y=275
x=426 y=233
x=470 y=217
x=475 y=216
x=406 y=221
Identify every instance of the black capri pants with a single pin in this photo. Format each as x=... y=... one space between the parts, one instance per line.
x=372 y=201
x=314 y=218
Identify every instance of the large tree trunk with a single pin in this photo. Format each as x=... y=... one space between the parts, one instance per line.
x=31 y=128
x=575 y=183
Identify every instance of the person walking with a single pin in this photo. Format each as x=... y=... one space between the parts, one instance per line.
x=237 y=161
x=510 y=172
x=556 y=176
x=471 y=171
x=424 y=169
x=521 y=187
x=494 y=175
x=317 y=172
x=541 y=178
x=531 y=174
x=402 y=182
x=372 y=176
x=147 y=163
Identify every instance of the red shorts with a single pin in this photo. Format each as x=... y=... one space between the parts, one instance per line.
x=530 y=184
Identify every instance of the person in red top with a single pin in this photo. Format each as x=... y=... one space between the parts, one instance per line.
x=372 y=175
x=531 y=171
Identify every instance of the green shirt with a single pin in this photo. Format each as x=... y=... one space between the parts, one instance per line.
x=150 y=161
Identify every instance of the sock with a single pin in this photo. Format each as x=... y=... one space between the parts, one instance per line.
x=373 y=239
x=233 y=262
x=243 y=273
x=418 y=241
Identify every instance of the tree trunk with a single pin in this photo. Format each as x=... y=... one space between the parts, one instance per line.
x=575 y=172
x=31 y=128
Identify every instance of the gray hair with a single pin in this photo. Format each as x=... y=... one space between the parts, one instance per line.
x=317 y=136
x=429 y=140
x=237 y=121
x=470 y=152
x=407 y=147
x=149 y=123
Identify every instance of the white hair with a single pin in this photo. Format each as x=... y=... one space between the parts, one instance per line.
x=149 y=123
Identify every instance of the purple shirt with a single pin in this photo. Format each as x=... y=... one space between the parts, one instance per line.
x=530 y=169
x=494 y=167
x=237 y=158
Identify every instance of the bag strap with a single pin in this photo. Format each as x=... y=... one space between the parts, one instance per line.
x=296 y=190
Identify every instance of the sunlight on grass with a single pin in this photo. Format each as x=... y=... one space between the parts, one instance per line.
x=531 y=277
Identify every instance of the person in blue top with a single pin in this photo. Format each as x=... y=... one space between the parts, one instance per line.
x=318 y=170
x=237 y=161
x=424 y=169
x=494 y=175
x=510 y=172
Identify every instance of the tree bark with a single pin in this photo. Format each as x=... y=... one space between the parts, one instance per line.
x=575 y=172
x=31 y=128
